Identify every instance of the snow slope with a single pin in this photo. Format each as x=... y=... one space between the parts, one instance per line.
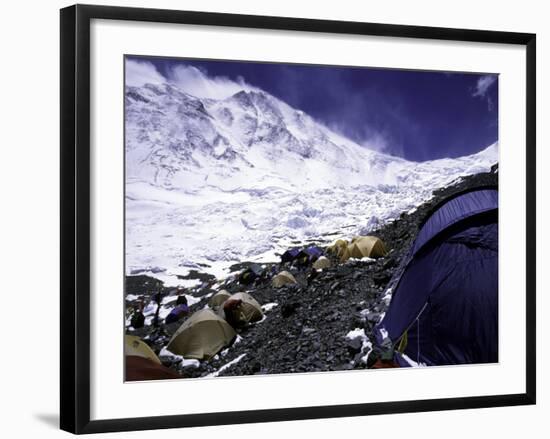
x=213 y=182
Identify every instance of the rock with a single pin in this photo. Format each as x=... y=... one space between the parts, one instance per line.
x=354 y=345
x=373 y=316
x=287 y=309
x=381 y=279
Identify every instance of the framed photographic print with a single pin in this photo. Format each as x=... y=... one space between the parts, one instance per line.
x=268 y=218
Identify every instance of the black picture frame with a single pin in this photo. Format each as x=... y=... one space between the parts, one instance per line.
x=75 y=217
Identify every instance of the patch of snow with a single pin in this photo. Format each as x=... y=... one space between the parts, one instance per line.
x=132 y=297
x=238 y=339
x=191 y=300
x=269 y=306
x=363 y=259
x=226 y=366
x=411 y=362
x=366 y=344
x=169 y=299
x=387 y=296
x=150 y=309
x=189 y=283
x=190 y=362
x=357 y=332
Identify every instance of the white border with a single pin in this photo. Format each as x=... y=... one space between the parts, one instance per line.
x=111 y=398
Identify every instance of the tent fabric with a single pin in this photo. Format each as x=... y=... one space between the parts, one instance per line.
x=364 y=246
x=143 y=369
x=446 y=300
x=201 y=336
x=283 y=278
x=322 y=262
x=247 y=311
x=309 y=255
x=136 y=347
x=338 y=247
x=217 y=299
x=253 y=272
x=290 y=255
x=455 y=210
x=177 y=313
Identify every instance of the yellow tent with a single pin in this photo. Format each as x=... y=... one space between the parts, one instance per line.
x=364 y=246
x=201 y=336
x=283 y=278
x=338 y=246
x=135 y=346
x=217 y=299
x=248 y=311
x=322 y=262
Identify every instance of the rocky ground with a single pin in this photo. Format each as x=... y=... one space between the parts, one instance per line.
x=305 y=325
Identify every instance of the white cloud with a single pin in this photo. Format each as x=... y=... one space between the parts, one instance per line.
x=366 y=137
x=139 y=73
x=187 y=78
x=482 y=88
x=483 y=85
x=195 y=82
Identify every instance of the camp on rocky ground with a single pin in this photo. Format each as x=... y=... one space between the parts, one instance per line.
x=358 y=303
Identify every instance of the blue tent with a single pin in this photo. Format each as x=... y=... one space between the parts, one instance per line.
x=444 y=308
x=309 y=255
x=177 y=313
x=290 y=255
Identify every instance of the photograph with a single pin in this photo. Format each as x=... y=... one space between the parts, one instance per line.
x=297 y=218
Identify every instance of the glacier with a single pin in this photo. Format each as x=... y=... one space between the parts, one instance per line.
x=213 y=182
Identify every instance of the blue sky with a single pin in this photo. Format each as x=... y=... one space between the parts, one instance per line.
x=418 y=115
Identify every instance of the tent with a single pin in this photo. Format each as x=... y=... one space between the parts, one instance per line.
x=338 y=247
x=309 y=255
x=364 y=246
x=253 y=272
x=143 y=369
x=245 y=310
x=444 y=308
x=283 y=278
x=177 y=313
x=134 y=346
x=201 y=336
x=290 y=255
x=217 y=299
x=322 y=262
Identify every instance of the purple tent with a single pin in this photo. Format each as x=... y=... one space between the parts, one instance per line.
x=445 y=303
x=177 y=313
x=309 y=255
x=290 y=255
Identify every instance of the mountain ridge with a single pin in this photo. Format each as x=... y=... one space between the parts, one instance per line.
x=213 y=182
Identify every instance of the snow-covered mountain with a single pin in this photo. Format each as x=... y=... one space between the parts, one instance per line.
x=213 y=182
